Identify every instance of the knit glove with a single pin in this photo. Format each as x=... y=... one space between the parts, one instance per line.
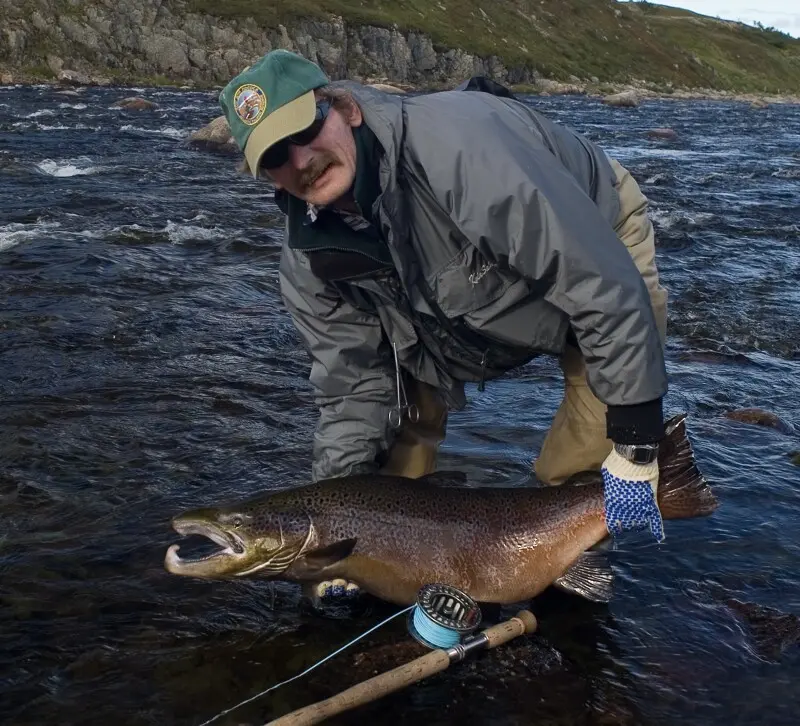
x=630 y=492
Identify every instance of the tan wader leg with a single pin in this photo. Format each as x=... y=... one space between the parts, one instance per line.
x=577 y=437
x=413 y=453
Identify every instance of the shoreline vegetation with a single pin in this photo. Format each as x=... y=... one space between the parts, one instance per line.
x=622 y=52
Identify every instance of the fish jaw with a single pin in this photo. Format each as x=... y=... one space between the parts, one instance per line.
x=229 y=560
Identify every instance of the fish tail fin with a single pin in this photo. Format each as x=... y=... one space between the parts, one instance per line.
x=683 y=491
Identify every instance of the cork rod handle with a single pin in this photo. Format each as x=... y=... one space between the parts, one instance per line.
x=400 y=677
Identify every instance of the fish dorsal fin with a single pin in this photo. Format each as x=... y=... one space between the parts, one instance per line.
x=590 y=577
x=445 y=479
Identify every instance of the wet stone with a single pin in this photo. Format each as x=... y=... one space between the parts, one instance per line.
x=136 y=103
x=759 y=417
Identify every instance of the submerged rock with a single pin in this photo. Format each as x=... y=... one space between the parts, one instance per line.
x=136 y=103
x=759 y=417
x=773 y=631
x=625 y=99
x=664 y=133
x=215 y=136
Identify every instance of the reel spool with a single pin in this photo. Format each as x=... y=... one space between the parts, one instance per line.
x=443 y=616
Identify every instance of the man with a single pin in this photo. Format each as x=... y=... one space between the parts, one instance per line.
x=448 y=238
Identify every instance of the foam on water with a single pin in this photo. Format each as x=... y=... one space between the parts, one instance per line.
x=36 y=126
x=69 y=167
x=666 y=218
x=40 y=113
x=169 y=131
x=186 y=232
x=16 y=233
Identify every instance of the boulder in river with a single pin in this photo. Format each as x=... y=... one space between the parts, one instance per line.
x=136 y=103
x=663 y=133
x=624 y=99
x=215 y=136
x=759 y=417
x=773 y=631
x=758 y=104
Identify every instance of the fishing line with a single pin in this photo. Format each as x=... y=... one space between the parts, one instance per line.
x=442 y=616
x=431 y=632
x=310 y=668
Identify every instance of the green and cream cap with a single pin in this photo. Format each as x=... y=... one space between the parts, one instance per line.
x=270 y=100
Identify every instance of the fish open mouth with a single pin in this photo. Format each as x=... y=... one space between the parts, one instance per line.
x=212 y=564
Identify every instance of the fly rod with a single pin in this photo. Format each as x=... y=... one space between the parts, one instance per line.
x=442 y=620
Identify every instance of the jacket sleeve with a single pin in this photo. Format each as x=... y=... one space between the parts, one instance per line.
x=351 y=372
x=519 y=205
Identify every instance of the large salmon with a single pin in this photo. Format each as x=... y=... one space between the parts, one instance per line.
x=392 y=535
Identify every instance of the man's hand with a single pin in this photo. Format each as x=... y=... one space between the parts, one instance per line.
x=630 y=492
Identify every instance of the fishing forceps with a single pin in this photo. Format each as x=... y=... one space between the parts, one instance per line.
x=403 y=406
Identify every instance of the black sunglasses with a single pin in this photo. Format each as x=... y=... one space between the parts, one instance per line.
x=278 y=154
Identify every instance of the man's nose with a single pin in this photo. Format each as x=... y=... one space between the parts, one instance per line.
x=300 y=156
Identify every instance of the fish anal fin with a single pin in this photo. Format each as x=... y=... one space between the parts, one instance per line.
x=590 y=577
x=315 y=561
x=444 y=478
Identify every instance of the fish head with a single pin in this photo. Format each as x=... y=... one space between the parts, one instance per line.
x=253 y=538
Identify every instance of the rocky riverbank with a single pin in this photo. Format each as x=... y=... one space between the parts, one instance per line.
x=178 y=43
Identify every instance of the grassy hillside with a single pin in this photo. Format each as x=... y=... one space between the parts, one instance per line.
x=609 y=40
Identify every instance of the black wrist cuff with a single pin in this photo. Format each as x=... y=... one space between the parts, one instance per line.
x=642 y=423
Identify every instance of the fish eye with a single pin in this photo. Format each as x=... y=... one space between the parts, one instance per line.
x=238 y=520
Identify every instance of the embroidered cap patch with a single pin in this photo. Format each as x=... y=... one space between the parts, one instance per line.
x=250 y=103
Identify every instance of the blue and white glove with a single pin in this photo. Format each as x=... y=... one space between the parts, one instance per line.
x=630 y=492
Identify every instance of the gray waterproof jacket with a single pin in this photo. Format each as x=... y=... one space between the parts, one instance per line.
x=498 y=221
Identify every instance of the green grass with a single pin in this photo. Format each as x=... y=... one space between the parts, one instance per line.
x=617 y=42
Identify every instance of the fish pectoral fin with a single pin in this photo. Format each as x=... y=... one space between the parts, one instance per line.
x=590 y=577
x=317 y=560
x=445 y=478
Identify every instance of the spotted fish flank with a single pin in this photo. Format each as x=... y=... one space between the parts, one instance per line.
x=392 y=535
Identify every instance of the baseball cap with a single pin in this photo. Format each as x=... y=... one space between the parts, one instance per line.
x=270 y=100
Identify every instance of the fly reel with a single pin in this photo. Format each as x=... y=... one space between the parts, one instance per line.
x=443 y=616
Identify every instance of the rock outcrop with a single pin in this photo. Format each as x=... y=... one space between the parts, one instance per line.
x=626 y=99
x=160 y=39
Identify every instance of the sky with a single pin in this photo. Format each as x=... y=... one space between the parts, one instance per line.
x=781 y=14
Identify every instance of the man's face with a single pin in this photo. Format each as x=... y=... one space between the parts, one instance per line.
x=323 y=170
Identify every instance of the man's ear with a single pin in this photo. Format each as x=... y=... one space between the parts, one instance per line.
x=354 y=115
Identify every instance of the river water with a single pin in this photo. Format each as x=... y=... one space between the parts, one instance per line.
x=147 y=366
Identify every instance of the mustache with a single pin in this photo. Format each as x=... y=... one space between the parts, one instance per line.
x=315 y=168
